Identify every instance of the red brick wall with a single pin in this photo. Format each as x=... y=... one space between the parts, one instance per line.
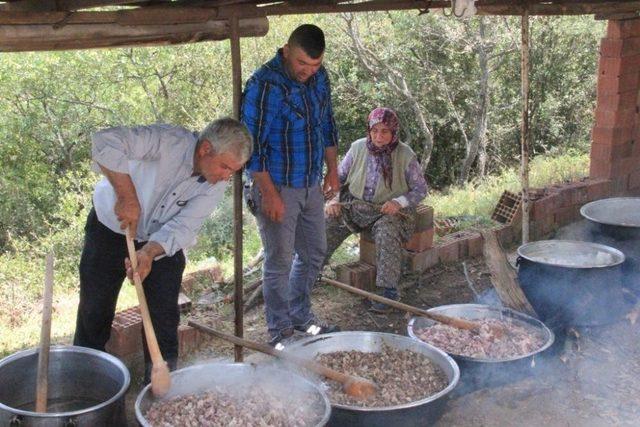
x=615 y=143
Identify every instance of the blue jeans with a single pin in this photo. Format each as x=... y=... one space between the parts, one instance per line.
x=294 y=251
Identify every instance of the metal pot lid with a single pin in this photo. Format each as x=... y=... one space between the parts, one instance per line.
x=620 y=211
x=571 y=254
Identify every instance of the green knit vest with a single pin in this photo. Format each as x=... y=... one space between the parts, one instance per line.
x=400 y=159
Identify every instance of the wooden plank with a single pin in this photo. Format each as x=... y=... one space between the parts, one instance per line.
x=84 y=36
x=503 y=277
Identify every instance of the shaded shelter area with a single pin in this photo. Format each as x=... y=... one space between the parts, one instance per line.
x=47 y=25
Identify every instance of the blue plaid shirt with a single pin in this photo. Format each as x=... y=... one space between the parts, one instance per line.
x=291 y=124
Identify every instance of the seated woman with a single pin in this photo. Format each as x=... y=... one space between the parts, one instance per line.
x=381 y=184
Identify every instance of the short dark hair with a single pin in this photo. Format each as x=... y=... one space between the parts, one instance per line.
x=310 y=38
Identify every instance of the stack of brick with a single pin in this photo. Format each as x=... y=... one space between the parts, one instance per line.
x=615 y=148
x=126 y=335
x=419 y=253
x=560 y=205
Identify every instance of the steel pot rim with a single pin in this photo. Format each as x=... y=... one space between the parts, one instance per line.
x=482 y=307
x=584 y=211
x=620 y=257
x=450 y=386
x=70 y=349
x=143 y=420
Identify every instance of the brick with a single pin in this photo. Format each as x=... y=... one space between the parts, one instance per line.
x=626 y=99
x=621 y=29
x=189 y=339
x=611 y=85
x=576 y=193
x=367 y=251
x=615 y=116
x=448 y=251
x=476 y=244
x=184 y=303
x=598 y=189
x=357 y=274
x=612 y=135
x=567 y=215
x=505 y=234
x=618 y=47
x=618 y=66
x=125 y=338
x=600 y=168
x=420 y=261
x=634 y=179
x=424 y=217
x=420 y=241
x=545 y=207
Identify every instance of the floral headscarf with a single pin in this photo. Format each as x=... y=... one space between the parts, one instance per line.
x=382 y=155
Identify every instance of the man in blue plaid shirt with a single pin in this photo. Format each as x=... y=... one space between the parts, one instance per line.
x=287 y=107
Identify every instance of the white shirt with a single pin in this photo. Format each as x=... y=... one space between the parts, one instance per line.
x=159 y=160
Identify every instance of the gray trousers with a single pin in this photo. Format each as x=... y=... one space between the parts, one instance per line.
x=293 y=254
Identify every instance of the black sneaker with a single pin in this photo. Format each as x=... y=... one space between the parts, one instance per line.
x=316 y=327
x=382 y=308
x=276 y=341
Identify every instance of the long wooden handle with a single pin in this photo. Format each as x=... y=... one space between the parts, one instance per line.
x=263 y=348
x=152 y=341
x=42 y=379
x=452 y=321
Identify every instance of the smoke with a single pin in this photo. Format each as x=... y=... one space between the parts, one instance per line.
x=591 y=376
x=238 y=381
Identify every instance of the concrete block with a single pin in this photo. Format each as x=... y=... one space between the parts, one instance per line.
x=420 y=241
x=357 y=274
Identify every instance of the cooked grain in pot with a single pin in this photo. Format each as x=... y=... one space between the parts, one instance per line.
x=222 y=408
x=402 y=376
x=517 y=341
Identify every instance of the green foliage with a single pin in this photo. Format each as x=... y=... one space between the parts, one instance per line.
x=52 y=102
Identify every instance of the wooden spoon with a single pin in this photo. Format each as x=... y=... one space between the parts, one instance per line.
x=447 y=320
x=160 y=378
x=354 y=386
x=42 y=378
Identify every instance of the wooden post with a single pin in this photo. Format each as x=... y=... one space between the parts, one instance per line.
x=42 y=378
x=524 y=126
x=236 y=70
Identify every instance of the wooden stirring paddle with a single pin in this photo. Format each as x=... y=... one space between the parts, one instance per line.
x=42 y=378
x=160 y=378
x=447 y=320
x=354 y=386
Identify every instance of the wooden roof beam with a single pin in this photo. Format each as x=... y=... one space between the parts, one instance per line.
x=18 y=38
x=139 y=16
x=61 y=5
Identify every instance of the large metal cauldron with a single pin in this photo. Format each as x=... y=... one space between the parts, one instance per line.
x=86 y=388
x=616 y=222
x=237 y=376
x=419 y=413
x=571 y=283
x=483 y=372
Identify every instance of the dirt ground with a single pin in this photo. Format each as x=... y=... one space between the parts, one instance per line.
x=592 y=379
